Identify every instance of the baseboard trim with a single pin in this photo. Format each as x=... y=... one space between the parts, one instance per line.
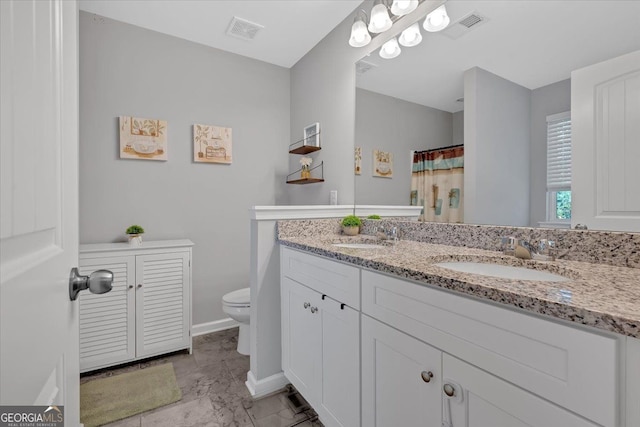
x=266 y=386
x=215 y=326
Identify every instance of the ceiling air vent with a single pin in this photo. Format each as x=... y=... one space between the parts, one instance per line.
x=464 y=25
x=243 y=29
x=363 y=66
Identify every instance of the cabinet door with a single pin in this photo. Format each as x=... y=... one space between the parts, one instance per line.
x=339 y=403
x=395 y=371
x=490 y=401
x=301 y=344
x=107 y=321
x=162 y=303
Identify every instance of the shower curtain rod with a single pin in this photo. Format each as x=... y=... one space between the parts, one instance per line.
x=441 y=148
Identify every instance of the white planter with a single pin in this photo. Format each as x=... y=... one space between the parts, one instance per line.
x=135 y=239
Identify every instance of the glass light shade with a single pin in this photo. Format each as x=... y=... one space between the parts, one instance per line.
x=402 y=7
x=359 y=34
x=390 y=49
x=380 y=20
x=411 y=36
x=437 y=20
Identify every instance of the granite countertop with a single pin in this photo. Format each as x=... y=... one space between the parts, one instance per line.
x=598 y=295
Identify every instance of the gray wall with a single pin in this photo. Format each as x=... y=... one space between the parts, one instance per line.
x=497 y=116
x=397 y=126
x=552 y=99
x=127 y=70
x=458 y=128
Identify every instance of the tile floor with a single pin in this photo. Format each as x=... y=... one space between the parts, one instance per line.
x=213 y=391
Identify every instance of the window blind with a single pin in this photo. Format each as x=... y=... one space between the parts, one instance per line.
x=559 y=151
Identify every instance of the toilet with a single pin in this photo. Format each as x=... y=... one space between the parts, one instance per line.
x=237 y=305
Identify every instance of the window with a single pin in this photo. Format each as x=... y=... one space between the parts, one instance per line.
x=559 y=167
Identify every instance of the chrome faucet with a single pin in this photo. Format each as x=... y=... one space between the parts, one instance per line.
x=522 y=249
x=390 y=234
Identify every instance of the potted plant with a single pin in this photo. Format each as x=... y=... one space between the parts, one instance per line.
x=351 y=225
x=135 y=235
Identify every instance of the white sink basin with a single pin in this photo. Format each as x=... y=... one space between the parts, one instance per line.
x=502 y=271
x=358 y=245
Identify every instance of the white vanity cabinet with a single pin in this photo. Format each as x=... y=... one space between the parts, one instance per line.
x=401 y=378
x=320 y=335
x=148 y=310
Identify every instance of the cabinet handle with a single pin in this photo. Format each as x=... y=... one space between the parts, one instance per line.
x=426 y=376
x=139 y=285
x=307 y=305
x=449 y=390
x=130 y=286
x=314 y=309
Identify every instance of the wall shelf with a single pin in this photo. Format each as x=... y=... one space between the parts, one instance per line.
x=311 y=179
x=303 y=146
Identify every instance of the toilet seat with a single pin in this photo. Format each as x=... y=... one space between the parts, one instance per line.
x=239 y=298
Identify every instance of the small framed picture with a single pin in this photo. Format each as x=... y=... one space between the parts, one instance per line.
x=312 y=135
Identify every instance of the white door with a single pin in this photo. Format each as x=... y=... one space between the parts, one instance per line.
x=39 y=204
x=605 y=116
x=401 y=380
x=488 y=401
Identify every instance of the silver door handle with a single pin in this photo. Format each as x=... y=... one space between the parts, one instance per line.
x=314 y=309
x=98 y=282
x=307 y=305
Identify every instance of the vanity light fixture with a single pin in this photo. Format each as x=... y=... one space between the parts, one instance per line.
x=403 y=7
x=359 y=35
x=390 y=49
x=437 y=20
x=380 y=19
x=411 y=36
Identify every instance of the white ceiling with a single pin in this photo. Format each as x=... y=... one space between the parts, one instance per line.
x=291 y=27
x=532 y=43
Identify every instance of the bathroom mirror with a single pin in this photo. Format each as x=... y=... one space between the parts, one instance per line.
x=415 y=100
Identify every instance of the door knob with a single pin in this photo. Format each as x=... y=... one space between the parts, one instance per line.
x=98 y=282
x=426 y=376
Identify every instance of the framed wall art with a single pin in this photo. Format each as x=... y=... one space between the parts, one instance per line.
x=143 y=139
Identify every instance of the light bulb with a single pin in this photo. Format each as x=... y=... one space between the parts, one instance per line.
x=359 y=34
x=411 y=36
x=403 y=7
x=380 y=20
x=390 y=49
x=437 y=20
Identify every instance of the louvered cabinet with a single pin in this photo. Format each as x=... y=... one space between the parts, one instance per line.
x=148 y=311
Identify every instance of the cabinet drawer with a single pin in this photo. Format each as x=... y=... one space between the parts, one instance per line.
x=568 y=366
x=338 y=281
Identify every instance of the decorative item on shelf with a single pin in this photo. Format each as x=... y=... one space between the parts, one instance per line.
x=351 y=225
x=135 y=233
x=309 y=173
x=305 y=173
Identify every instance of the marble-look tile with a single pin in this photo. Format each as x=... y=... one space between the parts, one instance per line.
x=196 y=413
x=267 y=406
x=282 y=418
x=212 y=379
x=239 y=367
x=127 y=422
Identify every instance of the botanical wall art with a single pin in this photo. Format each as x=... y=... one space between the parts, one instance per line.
x=358 y=161
x=382 y=164
x=144 y=139
x=212 y=144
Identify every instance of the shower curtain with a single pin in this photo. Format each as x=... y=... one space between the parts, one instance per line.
x=437 y=184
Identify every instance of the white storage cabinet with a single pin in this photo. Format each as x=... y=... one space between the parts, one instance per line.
x=320 y=334
x=148 y=310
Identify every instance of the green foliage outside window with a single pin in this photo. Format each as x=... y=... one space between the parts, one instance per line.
x=563 y=204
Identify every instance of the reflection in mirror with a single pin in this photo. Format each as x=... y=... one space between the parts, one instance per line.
x=488 y=81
